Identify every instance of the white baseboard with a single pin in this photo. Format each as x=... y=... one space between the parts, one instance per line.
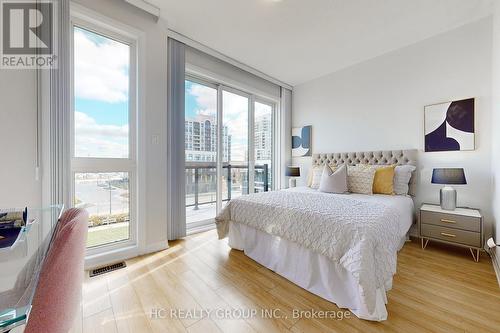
x=495 y=258
x=118 y=255
x=155 y=247
x=110 y=257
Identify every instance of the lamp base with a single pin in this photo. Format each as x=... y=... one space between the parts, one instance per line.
x=448 y=198
x=292 y=182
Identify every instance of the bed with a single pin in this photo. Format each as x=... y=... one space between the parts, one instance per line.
x=341 y=247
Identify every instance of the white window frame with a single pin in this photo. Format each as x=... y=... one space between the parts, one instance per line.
x=94 y=22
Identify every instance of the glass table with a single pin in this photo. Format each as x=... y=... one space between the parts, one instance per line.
x=20 y=265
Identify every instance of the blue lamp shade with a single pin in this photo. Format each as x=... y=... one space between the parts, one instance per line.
x=449 y=176
x=292 y=171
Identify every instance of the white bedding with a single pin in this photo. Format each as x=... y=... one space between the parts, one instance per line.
x=346 y=244
x=402 y=203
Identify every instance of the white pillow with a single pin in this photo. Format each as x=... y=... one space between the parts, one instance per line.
x=315 y=177
x=360 y=179
x=334 y=181
x=402 y=175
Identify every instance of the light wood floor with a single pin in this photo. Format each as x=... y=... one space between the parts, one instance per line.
x=440 y=289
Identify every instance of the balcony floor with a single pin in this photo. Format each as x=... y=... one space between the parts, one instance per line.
x=204 y=212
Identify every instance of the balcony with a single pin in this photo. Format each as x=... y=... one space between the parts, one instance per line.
x=201 y=186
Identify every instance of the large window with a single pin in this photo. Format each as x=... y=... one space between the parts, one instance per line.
x=103 y=162
x=101 y=80
x=230 y=161
x=263 y=146
x=235 y=112
x=201 y=142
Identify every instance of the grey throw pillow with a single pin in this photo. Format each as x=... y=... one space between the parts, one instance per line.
x=402 y=176
x=334 y=182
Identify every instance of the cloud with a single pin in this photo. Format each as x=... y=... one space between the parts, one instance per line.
x=263 y=110
x=101 y=68
x=206 y=113
x=234 y=106
x=206 y=98
x=97 y=140
x=235 y=110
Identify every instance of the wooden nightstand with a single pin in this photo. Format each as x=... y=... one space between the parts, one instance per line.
x=461 y=227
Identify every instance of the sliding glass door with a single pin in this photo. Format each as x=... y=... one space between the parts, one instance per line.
x=235 y=112
x=229 y=151
x=263 y=146
x=201 y=141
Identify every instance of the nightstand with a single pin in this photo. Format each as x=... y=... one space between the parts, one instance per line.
x=462 y=227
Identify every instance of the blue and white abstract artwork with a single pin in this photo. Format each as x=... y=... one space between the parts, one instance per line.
x=301 y=141
x=450 y=126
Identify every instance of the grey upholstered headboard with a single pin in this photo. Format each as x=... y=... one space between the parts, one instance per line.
x=398 y=157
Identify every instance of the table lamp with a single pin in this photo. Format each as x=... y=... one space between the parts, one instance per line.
x=292 y=172
x=448 y=176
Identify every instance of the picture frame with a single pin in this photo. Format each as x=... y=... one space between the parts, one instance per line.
x=301 y=141
x=450 y=126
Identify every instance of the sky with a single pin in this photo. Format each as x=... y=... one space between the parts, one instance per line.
x=101 y=96
x=102 y=99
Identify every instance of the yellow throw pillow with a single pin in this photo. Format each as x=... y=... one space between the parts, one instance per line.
x=383 y=182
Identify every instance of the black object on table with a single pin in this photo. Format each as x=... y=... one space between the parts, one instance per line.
x=8 y=236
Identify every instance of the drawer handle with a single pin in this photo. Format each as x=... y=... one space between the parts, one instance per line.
x=448 y=235
x=448 y=221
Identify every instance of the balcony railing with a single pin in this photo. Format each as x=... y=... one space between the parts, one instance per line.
x=201 y=178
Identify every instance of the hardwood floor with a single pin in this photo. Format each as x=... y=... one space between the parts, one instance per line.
x=440 y=289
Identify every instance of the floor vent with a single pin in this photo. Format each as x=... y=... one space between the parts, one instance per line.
x=107 y=269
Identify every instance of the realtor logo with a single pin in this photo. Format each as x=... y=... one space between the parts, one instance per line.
x=28 y=36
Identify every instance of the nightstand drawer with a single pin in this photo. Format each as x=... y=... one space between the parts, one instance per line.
x=451 y=221
x=451 y=235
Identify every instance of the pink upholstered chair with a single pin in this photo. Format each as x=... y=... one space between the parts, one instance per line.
x=58 y=293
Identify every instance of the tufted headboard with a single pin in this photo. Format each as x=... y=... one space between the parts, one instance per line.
x=398 y=157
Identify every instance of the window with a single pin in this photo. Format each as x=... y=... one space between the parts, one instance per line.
x=201 y=151
x=101 y=80
x=104 y=156
x=106 y=197
x=235 y=111
x=263 y=146
x=224 y=163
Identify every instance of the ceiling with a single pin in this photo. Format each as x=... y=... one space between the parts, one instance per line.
x=298 y=40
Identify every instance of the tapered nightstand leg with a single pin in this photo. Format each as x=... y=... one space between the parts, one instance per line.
x=475 y=254
x=424 y=243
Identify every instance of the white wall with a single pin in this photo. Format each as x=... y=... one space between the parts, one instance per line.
x=379 y=105
x=154 y=112
x=18 y=114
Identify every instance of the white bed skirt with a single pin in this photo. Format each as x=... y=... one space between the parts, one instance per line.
x=307 y=269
